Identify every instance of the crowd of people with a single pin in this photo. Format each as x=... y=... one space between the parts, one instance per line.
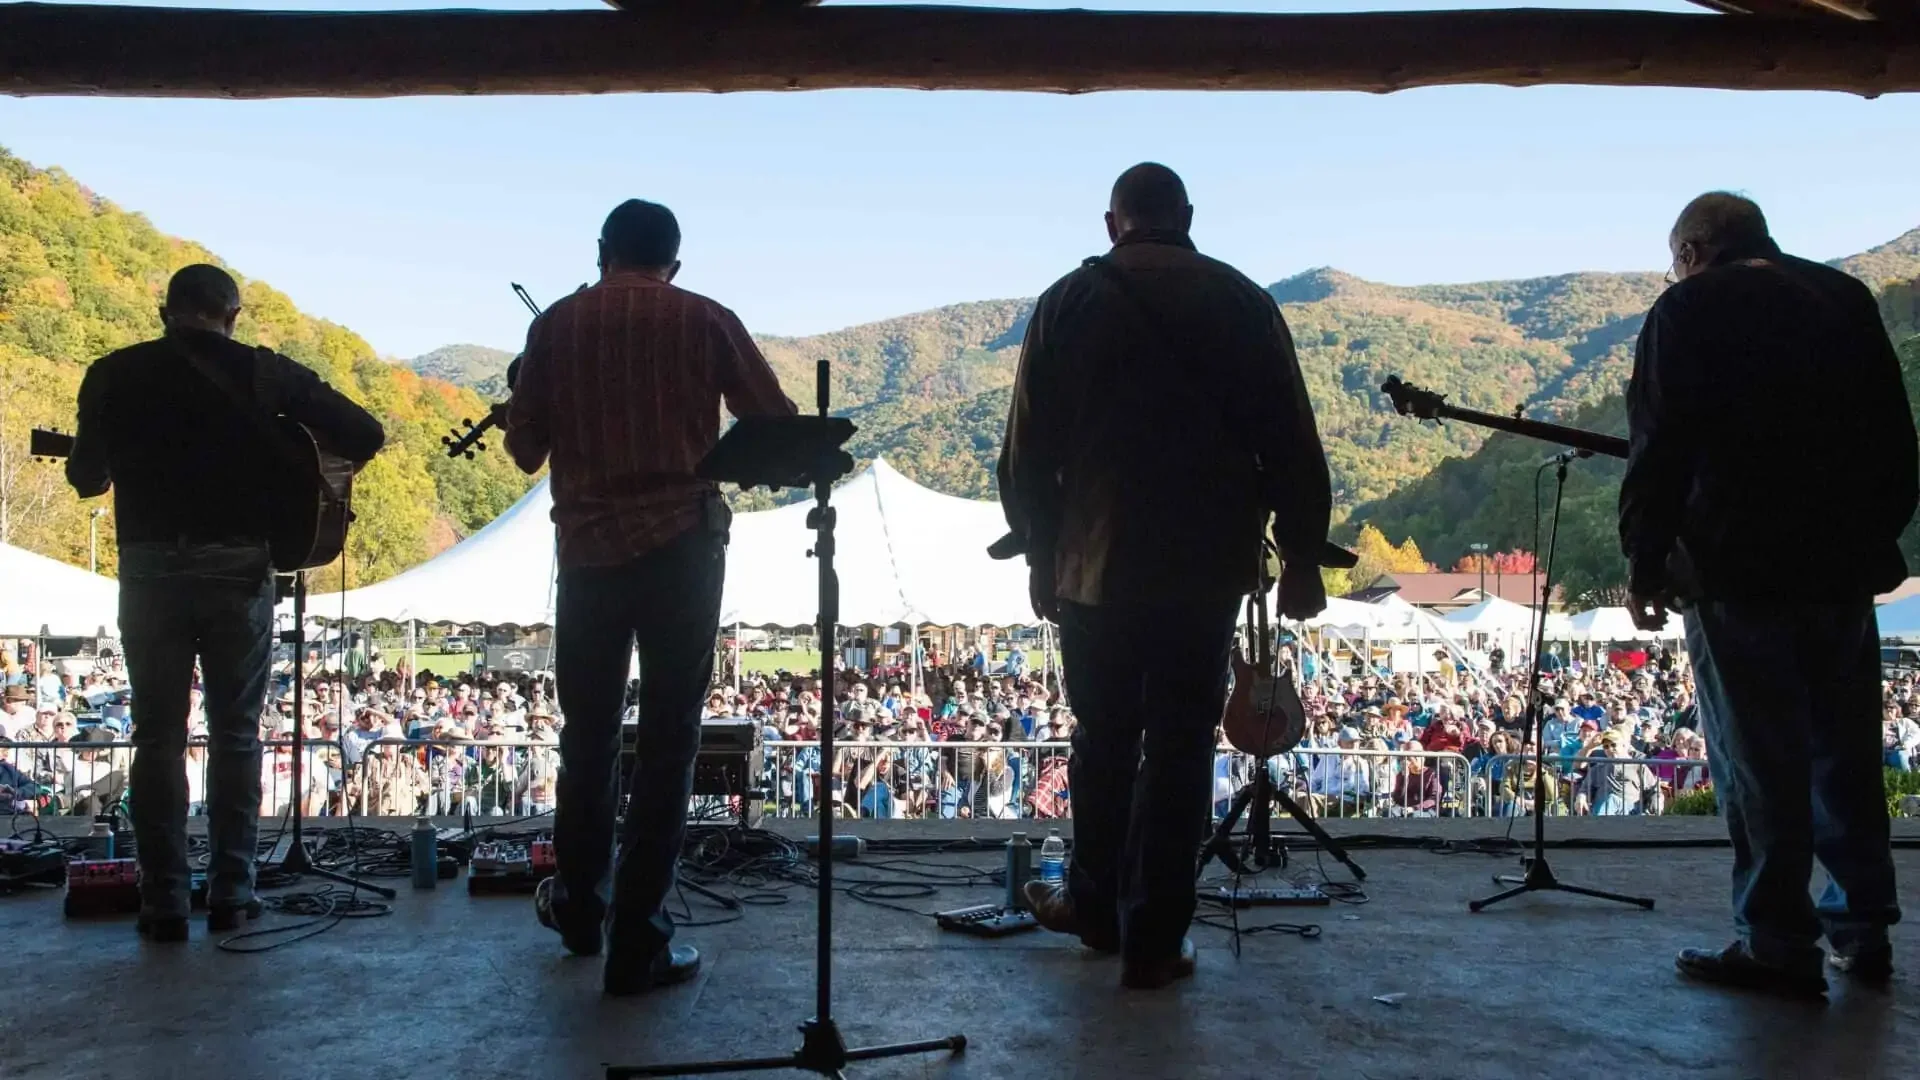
x=980 y=737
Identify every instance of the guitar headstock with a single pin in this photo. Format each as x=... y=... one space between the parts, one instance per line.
x=461 y=443
x=46 y=445
x=1412 y=400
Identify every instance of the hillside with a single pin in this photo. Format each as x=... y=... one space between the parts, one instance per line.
x=80 y=277
x=1487 y=497
x=476 y=367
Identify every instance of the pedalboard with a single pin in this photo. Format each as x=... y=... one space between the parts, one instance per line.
x=987 y=920
x=102 y=887
x=509 y=866
x=37 y=862
x=1282 y=896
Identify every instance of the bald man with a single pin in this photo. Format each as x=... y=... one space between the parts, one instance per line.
x=1158 y=419
x=190 y=474
x=1773 y=466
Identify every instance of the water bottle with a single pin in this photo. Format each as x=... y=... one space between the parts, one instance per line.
x=426 y=854
x=1053 y=859
x=1019 y=869
x=100 y=839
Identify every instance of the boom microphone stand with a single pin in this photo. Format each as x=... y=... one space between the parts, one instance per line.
x=801 y=451
x=1539 y=875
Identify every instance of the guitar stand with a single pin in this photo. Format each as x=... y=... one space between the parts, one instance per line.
x=1263 y=850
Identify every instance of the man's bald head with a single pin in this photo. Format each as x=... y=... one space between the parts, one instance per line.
x=202 y=297
x=1713 y=224
x=1148 y=197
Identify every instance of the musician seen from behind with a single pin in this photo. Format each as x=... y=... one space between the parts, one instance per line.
x=193 y=474
x=1772 y=469
x=1158 y=417
x=620 y=390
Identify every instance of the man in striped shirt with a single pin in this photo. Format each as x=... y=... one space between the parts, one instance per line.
x=620 y=388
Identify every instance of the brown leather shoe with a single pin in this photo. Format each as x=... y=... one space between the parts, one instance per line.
x=1152 y=975
x=1052 y=907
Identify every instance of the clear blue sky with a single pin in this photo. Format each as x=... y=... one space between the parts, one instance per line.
x=405 y=219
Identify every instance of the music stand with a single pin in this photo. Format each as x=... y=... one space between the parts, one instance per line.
x=801 y=451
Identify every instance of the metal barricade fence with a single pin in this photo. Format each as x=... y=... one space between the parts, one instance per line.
x=487 y=778
x=924 y=780
x=1503 y=784
x=1333 y=782
x=86 y=778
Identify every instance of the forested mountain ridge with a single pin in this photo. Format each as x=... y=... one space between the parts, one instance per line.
x=1488 y=496
x=476 y=367
x=80 y=277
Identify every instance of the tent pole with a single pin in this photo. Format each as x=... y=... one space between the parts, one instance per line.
x=736 y=657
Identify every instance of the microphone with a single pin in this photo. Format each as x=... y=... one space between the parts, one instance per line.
x=1567 y=455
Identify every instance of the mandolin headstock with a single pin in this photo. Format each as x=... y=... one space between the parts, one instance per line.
x=1412 y=400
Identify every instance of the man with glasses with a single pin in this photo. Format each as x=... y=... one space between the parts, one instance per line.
x=1772 y=469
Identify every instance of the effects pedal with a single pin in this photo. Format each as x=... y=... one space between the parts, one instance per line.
x=1281 y=896
x=40 y=862
x=508 y=866
x=102 y=887
x=987 y=920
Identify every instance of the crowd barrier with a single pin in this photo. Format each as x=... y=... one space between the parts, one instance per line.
x=1504 y=785
x=929 y=781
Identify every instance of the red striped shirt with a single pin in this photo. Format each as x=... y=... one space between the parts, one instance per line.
x=621 y=384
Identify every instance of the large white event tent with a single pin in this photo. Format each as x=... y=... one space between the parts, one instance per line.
x=37 y=592
x=1612 y=624
x=905 y=554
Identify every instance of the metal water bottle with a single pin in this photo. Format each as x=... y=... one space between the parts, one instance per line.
x=100 y=839
x=426 y=854
x=1019 y=869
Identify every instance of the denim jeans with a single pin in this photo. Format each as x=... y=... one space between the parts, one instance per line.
x=178 y=601
x=1148 y=686
x=667 y=604
x=1790 y=700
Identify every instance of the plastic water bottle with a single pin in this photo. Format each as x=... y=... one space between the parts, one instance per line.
x=426 y=854
x=1053 y=859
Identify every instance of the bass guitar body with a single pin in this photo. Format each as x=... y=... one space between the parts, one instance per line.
x=1264 y=715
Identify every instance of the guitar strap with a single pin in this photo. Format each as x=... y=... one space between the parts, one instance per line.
x=246 y=404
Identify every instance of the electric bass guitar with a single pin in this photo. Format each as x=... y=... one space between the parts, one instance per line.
x=1423 y=404
x=1264 y=715
x=310 y=505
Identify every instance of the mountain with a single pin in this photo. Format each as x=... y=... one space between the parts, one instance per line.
x=476 y=367
x=79 y=277
x=1487 y=497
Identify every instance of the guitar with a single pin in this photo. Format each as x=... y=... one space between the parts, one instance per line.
x=310 y=506
x=1411 y=400
x=1264 y=715
x=461 y=443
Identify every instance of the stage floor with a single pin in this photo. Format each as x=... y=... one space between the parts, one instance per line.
x=451 y=985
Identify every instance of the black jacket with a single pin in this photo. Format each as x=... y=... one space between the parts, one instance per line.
x=184 y=462
x=1773 y=454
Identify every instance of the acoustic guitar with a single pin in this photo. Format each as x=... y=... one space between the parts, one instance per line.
x=310 y=505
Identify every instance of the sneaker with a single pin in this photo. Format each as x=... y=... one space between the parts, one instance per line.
x=579 y=942
x=1153 y=975
x=162 y=928
x=1736 y=967
x=673 y=964
x=224 y=917
x=1052 y=907
x=1872 y=965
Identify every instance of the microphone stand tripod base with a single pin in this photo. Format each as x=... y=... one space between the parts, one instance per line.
x=1539 y=878
x=822 y=1052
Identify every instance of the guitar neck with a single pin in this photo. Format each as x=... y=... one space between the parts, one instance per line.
x=1577 y=438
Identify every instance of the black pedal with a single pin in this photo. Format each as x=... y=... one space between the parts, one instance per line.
x=987 y=920
x=22 y=863
x=1282 y=896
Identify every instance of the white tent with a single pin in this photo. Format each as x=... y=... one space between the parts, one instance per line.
x=904 y=553
x=1615 y=624
x=36 y=591
x=1495 y=615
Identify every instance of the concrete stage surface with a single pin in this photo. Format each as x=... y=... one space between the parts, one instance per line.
x=455 y=986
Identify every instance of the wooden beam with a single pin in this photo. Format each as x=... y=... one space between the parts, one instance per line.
x=173 y=52
x=1791 y=9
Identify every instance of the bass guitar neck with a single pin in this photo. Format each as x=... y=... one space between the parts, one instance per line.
x=1411 y=400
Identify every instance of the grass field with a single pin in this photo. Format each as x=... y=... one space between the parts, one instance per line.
x=445 y=664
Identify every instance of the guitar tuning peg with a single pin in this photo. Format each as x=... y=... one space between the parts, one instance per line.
x=479 y=444
x=446 y=440
x=469 y=455
x=468 y=421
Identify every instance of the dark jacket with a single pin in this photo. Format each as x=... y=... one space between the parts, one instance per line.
x=1773 y=455
x=184 y=462
x=1155 y=421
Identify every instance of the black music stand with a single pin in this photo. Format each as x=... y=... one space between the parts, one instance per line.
x=801 y=451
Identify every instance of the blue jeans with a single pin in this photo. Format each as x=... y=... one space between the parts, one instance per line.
x=667 y=605
x=1148 y=685
x=178 y=601
x=1790 y=701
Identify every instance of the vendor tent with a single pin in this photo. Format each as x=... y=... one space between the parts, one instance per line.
x=1606 y=624
x=1495 y=616
x=37 y=592
x=905 y=553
